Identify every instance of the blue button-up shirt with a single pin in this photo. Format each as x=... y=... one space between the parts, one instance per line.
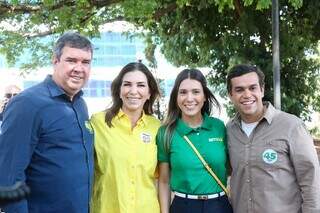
x=46 y=141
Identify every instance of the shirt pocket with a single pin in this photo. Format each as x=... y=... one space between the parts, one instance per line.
x=273 y=155
x=237 y=155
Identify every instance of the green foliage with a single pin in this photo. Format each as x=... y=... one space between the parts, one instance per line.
x=207 y=37
x=315 y=132
x=196 y=33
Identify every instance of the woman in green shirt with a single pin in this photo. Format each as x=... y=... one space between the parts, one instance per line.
x=194 y=188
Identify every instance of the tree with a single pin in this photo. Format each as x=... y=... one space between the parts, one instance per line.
x=202 y=33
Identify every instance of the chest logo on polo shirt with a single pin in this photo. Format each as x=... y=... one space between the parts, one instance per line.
x=145 y=137
x=215 y=139
x=269 y=156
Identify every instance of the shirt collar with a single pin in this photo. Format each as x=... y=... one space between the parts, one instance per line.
x=268 y=114
x=184 y=129
x=55 y=90
x=142 y=120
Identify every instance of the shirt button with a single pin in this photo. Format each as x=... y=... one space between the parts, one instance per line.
x=250 y=199
x=132 y=182
x=198 y=133
x=248 y=181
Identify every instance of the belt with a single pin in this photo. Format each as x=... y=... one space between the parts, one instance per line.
x=200 y=197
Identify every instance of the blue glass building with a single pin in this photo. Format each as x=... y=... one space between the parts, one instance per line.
x=112 y=50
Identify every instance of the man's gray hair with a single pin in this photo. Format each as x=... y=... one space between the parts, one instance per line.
x=73 y=40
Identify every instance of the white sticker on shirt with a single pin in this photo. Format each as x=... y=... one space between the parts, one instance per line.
x=146 y=137
x=269 y=156
x=215 y=139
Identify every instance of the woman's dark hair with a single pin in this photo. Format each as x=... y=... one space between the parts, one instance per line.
x=116 y=85
x=174 y=111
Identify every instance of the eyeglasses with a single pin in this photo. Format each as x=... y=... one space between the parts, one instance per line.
x=10 y=95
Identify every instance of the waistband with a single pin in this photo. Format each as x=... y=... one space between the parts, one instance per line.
x=200 y=197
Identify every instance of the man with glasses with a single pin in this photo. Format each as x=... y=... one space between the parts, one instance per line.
x=46 y=140
x=9 y=92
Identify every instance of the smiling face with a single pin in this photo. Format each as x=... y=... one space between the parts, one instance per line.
x=134 y=92
x=190 y=99
x=246 y=94
x=72 y=69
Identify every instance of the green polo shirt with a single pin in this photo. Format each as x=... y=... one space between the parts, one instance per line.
x=188 y=174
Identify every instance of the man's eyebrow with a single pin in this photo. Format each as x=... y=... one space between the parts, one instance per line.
x=251 y=85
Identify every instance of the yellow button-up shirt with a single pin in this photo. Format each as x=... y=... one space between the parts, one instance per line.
x=125 y=165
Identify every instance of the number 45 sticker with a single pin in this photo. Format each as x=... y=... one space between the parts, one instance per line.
x=269 y=156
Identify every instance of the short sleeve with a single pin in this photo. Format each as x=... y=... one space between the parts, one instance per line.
x=163 y=153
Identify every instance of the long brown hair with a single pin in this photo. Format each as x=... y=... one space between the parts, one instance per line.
x=115 y=90
x=174 y=111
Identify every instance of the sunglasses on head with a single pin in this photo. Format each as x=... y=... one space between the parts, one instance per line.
x=10 y=95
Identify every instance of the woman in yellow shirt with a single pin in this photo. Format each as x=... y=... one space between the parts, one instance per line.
x=125 y=149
